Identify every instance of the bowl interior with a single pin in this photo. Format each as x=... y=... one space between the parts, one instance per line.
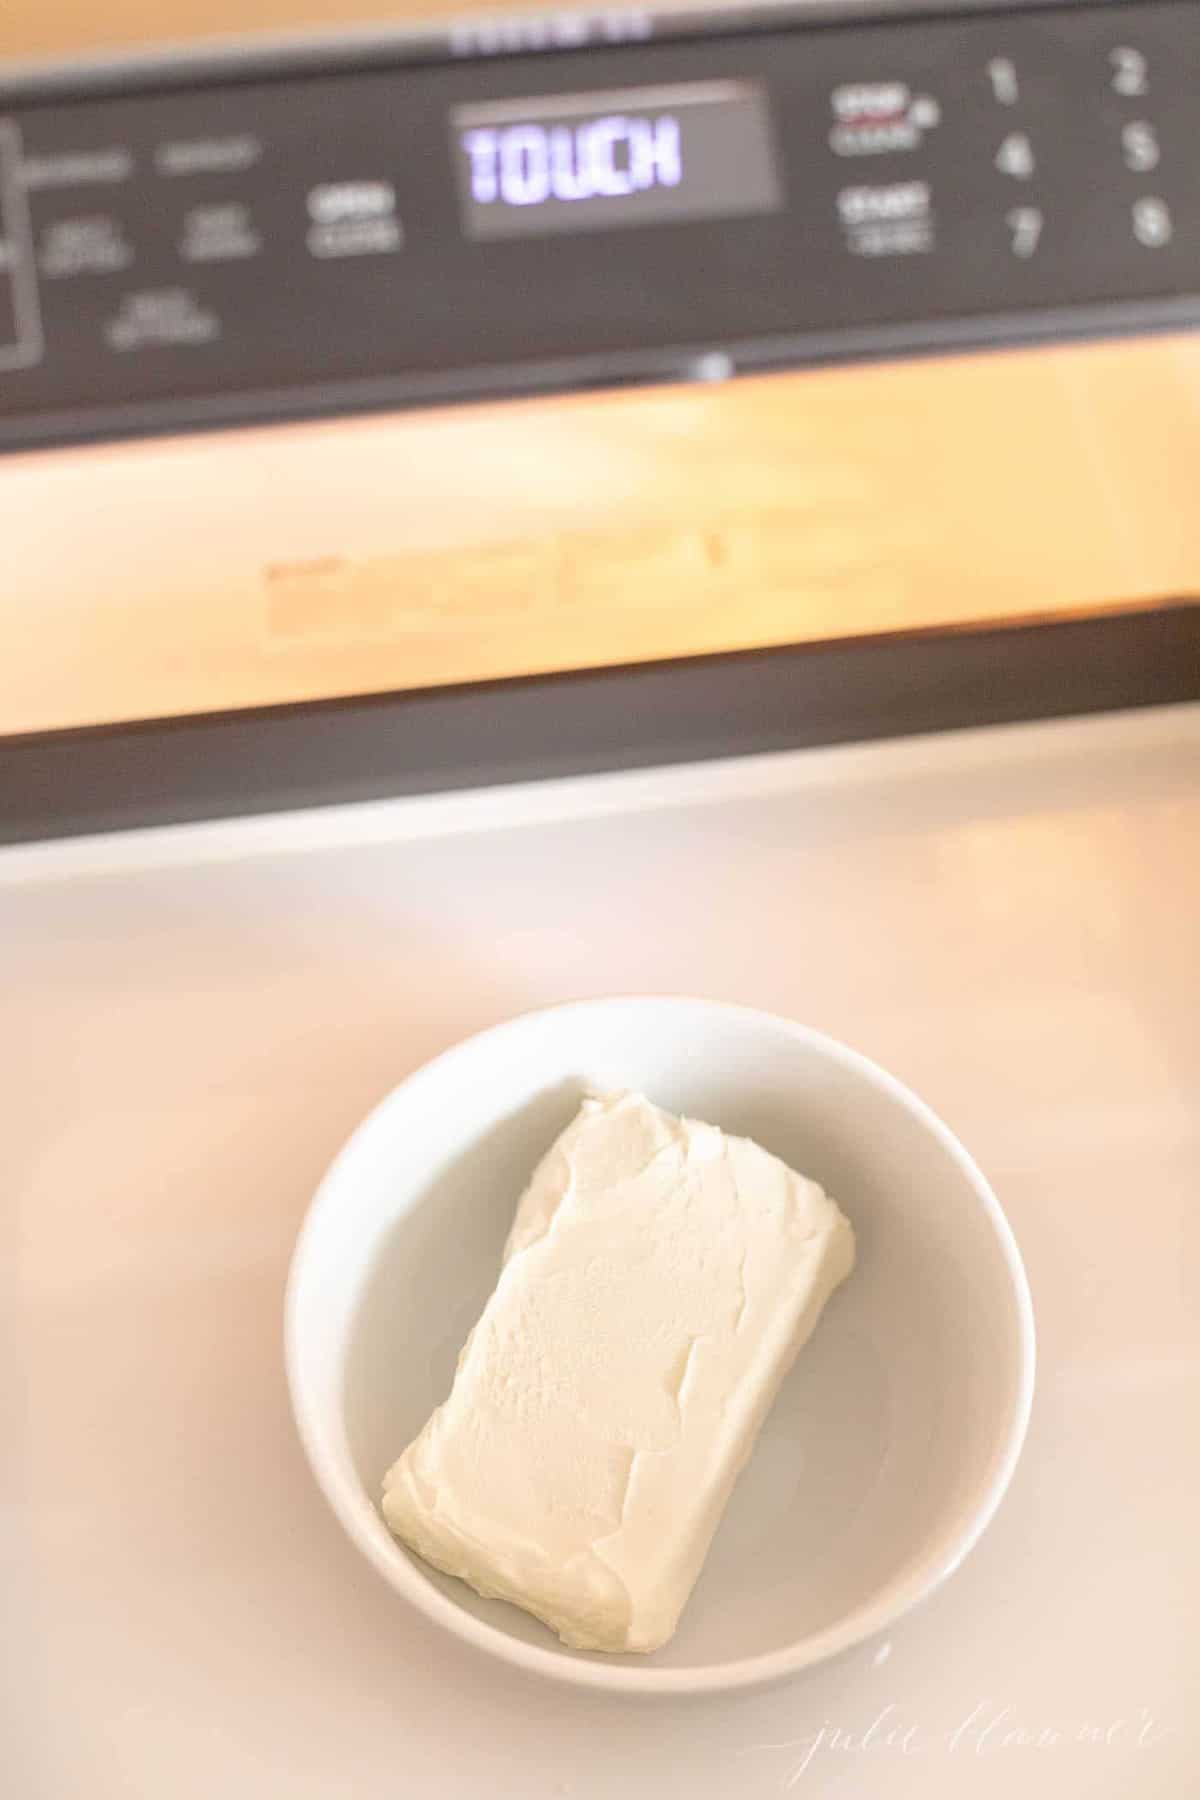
x=889 y=1435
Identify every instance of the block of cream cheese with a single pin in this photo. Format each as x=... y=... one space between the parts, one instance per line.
x=658 y=1280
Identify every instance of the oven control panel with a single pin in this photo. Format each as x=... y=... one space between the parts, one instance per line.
x=256 y=242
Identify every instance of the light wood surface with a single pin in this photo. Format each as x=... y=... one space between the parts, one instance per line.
x=316 y=560
x=310 y=561
x=73 y=28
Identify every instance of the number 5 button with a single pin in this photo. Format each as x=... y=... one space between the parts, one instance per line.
x=1015 y=156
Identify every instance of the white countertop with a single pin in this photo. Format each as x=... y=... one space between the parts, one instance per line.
x=196 y=1018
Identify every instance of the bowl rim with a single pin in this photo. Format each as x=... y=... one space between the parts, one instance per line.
x=328 y=1455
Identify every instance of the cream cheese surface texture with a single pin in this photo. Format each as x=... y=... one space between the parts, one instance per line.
x=657 y=1283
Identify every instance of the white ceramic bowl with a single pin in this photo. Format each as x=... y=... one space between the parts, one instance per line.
x=894 y=1437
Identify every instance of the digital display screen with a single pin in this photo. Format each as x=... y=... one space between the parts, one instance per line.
x=585 y=162
x=171 y=255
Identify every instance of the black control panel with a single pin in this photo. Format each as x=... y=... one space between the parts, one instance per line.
x=255 y=244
